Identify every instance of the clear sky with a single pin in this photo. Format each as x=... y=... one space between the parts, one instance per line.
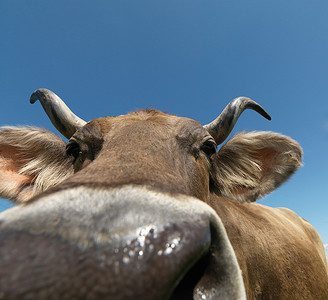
x=188 y=58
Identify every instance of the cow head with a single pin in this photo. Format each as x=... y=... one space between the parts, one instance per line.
x=124 y=211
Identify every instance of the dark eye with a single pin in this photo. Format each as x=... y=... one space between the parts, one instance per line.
x=209 y=147
x=73 y=149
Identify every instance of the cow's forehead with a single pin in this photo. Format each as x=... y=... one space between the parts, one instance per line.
x=148 y=119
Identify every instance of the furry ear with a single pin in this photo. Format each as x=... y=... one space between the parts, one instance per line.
x=251 y=165
x=31 y=161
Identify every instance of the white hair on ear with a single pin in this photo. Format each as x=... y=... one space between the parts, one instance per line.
x=251 y=165
x=38 y=154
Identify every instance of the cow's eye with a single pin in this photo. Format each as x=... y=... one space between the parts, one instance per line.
x=209 y=147
x=73 y=149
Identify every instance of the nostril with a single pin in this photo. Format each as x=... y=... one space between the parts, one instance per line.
x=186 y=286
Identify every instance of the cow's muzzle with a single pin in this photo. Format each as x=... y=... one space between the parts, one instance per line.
x=123 y=243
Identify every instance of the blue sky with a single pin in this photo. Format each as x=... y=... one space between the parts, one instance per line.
x=188 y=58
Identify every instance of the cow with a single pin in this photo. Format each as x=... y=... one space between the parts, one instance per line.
x=144 y=206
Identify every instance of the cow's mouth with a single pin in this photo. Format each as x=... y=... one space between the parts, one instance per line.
x=186 y=287
x=212 y=276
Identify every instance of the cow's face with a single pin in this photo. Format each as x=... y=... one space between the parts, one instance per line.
x=146 y=148
x=128 y=216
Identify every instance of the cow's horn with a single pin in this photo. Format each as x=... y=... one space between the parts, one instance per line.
x=60 y=115
x=221 y=127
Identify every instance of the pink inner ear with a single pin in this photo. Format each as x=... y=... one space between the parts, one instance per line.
x=267 y=158
x=10 y=163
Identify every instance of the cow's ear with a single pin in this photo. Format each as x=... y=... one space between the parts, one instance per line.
x=31 y=161
x=251 y=165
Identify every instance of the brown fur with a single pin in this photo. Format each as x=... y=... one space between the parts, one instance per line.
x=280 y=254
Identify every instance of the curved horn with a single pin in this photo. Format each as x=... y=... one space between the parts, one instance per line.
x=221 y=127
x=60 y=115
